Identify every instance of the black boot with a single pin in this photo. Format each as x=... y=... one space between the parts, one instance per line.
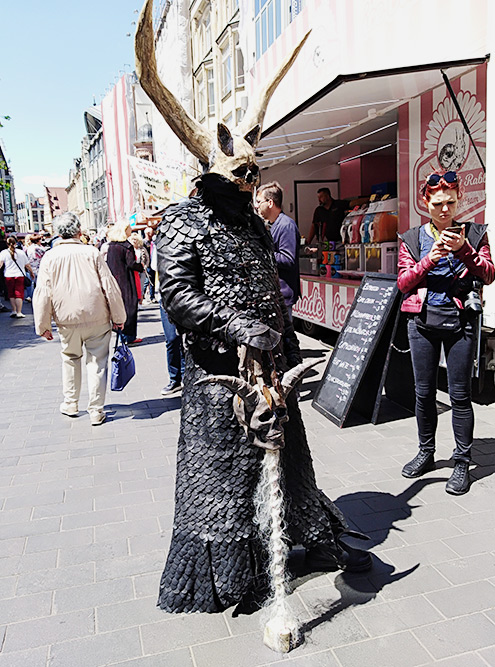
x=459 y=480
x=329 y=558
x=421 y=463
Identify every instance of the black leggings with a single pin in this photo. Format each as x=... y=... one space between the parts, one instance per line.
x=459 y=353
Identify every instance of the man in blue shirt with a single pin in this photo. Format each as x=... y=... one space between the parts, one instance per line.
x=286 y=238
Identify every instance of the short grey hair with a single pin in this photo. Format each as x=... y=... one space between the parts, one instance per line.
x=67 y=225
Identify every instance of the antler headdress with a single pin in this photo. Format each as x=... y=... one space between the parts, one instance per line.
x=230 y=155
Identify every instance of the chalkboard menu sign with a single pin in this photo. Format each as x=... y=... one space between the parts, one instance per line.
x=354 y=375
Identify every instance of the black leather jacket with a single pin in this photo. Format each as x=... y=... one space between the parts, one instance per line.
x=215 y=261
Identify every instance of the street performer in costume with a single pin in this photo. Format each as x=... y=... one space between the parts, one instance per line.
x=219 y=285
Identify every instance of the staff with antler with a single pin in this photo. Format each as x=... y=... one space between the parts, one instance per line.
x=219 y=285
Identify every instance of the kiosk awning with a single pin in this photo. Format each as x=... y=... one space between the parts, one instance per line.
x=354 y=109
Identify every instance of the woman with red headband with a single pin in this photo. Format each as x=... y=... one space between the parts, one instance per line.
x=442 y=266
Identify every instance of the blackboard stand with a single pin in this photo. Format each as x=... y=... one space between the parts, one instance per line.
x=357 y=371
x=397 y=377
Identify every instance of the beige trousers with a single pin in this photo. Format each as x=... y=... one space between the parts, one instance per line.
x=96 y=340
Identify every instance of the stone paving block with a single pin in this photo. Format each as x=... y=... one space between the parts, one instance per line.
x=464 y=599
x=138 y=485
x=28 y=497
x=378 y=520
x=107 y=489
x=26 y=607
x=146 y=585
x=249 y=651
x=130 y=566
x=391 y=617
x=94 y=518
x=180 y=658
x=464 y=570
x=486 y=654
x=127 y=614
x=20 y=515
x=62 y=465
x=143 y=544
x=470 y=545
x=29 y=477
x=430 y=530
x=104 y=649
x=423 y=579
x=177 y=632
x=475 y=522
x=29 y=528
x=48 y=630
x=59 y=577
x=93 y=595
x=68 y=485
x=93 y=552
x=7 y=587
x=471 y=659
x=126 y=529
x=457 y=635
x=63 y=509
x=384 y=652
x=427 y=553
x=138 y=499
x=36 y=657
x=322 y=659
x=153 y=509
x=70 y=538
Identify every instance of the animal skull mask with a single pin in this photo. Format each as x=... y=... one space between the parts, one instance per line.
x=227 y=154
x=262 y=411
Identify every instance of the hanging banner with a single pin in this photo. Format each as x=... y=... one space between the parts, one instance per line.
x=153 y=182
x=117 y=110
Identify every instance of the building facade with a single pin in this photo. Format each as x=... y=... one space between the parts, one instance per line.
x=55 y=203
x=31 y=214
x=7 y=195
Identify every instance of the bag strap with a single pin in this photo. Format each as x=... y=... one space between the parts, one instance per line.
x=15 y=262
x=120 y=336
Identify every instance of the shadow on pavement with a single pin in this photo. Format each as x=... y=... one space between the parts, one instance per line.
x=150 y=409
x=375 y=514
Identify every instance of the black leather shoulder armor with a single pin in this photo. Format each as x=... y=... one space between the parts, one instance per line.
x=185 y=221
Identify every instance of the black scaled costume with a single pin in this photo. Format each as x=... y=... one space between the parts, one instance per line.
x=215 y=262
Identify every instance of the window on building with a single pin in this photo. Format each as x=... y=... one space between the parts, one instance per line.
x=226 y=70
x=239 y=63
x=200 y=96
x=271 y=17
x=239 y=115
x=210 y=77
x=228 y=120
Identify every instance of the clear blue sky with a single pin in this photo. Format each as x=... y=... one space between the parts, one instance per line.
x=55 y=56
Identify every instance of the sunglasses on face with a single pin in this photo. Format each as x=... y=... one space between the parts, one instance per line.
x=448 y=177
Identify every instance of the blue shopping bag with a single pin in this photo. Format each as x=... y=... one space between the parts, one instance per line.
x=123 y=366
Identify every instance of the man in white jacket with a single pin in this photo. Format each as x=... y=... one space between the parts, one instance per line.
x=76 y=288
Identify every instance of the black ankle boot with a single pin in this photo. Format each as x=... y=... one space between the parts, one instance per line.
x=421 y=463
x=329 y=558
x=459 y=480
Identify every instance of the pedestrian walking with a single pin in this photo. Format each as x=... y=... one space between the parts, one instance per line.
x=442 y=265
x=15 y=266
x=77 y=289
x=121 y=259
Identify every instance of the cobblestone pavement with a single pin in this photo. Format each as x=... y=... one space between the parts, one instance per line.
x=86 y=514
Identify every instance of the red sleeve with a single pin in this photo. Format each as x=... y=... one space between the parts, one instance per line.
x=479 y=263
x=411 y=273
